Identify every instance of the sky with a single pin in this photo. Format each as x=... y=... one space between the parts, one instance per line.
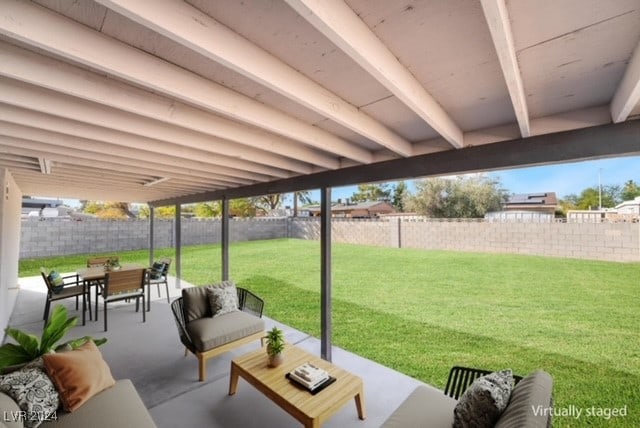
x=563 y=179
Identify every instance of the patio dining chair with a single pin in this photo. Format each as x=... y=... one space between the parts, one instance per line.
x=123 y=285
x=158 y=275
x=64 y=287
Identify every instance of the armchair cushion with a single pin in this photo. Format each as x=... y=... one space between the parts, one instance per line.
x=208 y=334
x=195 y=303
x=79 y=374
x=531 y=392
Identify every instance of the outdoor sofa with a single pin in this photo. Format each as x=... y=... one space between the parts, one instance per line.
x=117 y=406
x=528 y=405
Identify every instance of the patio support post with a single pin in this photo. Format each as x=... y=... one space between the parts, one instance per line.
x=325 y=273
x=178 y=233
x=225 y=239
x=152 y=217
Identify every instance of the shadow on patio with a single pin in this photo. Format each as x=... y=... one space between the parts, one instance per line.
x=150 y=354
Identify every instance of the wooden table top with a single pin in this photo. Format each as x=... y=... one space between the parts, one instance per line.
x=94 y=273
x=297 y=401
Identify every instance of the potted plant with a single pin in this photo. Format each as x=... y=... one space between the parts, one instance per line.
x=275 y=346
x=29 y=347
x=113 y=263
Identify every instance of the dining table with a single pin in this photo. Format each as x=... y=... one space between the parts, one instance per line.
x=94 y=277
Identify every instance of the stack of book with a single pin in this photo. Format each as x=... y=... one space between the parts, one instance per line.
x=309 y=376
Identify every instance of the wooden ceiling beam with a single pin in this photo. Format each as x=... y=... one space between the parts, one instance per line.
x=209 y=38
x=130 y=145
x=63 y=37
x=20 y=64
x=212 y=148
x=627 y=95
x=580 y=144
x=497 y=17
x=345 y=29
x=29 y=141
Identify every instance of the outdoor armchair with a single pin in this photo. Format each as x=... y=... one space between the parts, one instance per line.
x=206 y=335
x=66 y=287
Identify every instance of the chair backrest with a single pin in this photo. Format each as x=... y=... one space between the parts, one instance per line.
x=122 y=281
x=45 y=276
x=167 y=263
x=98 y=261
x=460 y=378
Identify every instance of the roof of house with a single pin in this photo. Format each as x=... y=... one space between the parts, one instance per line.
x=367 y=205
x=533 y=199
x=186 y=101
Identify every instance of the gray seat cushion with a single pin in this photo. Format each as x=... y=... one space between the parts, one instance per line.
x=209 y=333
x=425 y=407
x=533 y=392
x=118 y=406
x=9 y=409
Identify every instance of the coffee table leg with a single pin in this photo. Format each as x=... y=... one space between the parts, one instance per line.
x=233 y=380
x=360 y=405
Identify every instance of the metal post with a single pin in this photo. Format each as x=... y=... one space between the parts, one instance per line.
x=152 y=216
x=325 y=273
x=178 y=234
x=225 y=239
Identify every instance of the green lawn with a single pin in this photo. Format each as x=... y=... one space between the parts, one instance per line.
x=421 y=312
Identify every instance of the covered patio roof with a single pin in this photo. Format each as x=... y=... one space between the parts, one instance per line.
x=171 y=102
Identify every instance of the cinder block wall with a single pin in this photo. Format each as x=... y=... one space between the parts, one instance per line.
x=54 y=237
x=595 y=241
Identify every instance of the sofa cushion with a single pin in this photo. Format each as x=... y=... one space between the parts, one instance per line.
x=78 y=374
x=223 y=298
x=425 y=407
x=533 y=392
x=484 y=401
x=195 y=303
x=33 y=392
x=118 y=406
x=10 y=412
x=209 y=333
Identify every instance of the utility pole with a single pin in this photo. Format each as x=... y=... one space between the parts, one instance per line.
x=599 y=189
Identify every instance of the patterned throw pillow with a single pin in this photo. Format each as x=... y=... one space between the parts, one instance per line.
x=484 y=401
x=57 y=281
x=34 y=392
x=156 y=270
x=223 y=298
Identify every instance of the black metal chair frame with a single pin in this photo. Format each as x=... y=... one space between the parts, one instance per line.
x=460 y=378
x=247 y=302
x=79 y=289
x=162 y=280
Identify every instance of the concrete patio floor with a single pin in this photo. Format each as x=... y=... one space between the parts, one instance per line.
x=151 y=355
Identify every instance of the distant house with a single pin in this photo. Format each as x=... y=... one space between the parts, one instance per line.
x=368 y=209
x=631 y=207
x=533 y=202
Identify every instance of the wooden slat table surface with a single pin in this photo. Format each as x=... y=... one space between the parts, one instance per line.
x=310 y=410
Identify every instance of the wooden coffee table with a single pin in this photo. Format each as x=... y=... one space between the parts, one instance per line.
x=310 y=410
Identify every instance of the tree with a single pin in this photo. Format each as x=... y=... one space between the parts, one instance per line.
x=267 y=203
x=303 y=196
x=630 y=191
x=589 y=198
x=462 y=197
x=371 y=192
x=208 y=209
x=400 y=194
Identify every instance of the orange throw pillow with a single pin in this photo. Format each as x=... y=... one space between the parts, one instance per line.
x=78 y=375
